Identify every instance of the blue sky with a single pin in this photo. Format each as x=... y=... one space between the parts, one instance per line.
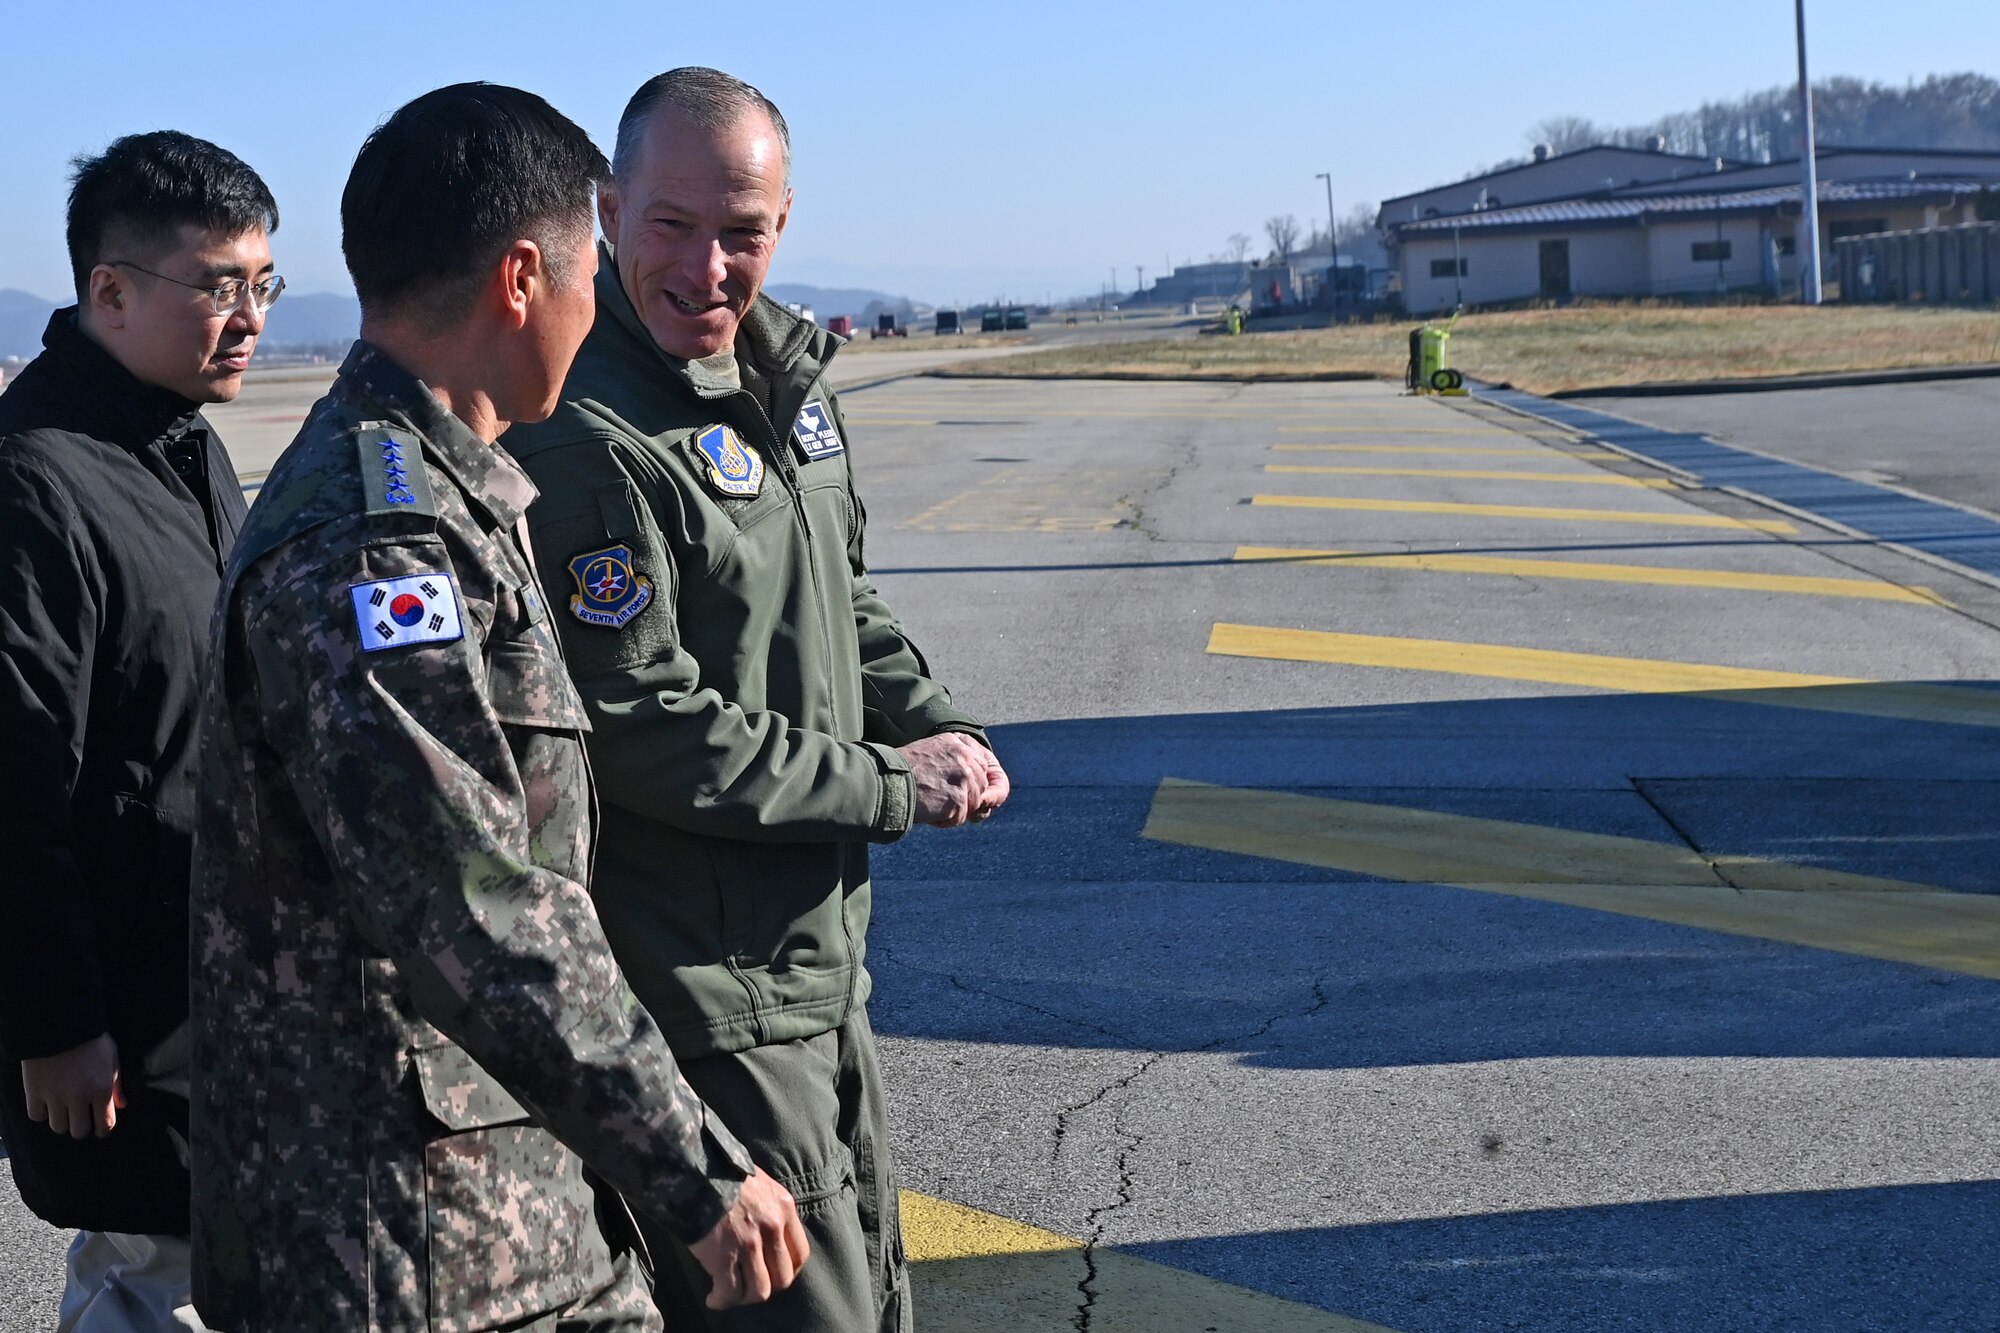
x=947 y=152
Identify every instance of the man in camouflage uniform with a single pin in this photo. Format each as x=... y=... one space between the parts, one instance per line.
x=410 y=1036
x=758 y=715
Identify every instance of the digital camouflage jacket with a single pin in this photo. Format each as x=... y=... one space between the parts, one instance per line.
x=701 y=548
x=409 y=1032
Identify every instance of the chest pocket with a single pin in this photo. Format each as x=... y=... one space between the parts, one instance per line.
x=526 y=679
x=745 y=511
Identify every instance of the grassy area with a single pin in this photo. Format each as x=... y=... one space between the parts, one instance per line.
x=1587 y=345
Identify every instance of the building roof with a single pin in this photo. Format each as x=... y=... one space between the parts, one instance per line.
x=1638 y=210
x=1499 y=173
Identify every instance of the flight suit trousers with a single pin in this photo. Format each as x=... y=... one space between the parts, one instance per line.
x=812 y=1114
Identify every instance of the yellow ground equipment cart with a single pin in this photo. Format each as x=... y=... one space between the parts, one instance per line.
x=1429 y=370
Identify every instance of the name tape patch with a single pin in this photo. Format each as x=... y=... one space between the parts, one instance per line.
x=815 y=432
x=609 y=592
x=417 y=608
x=734 y=468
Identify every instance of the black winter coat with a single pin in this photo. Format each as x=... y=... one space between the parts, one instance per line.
x=117 y=507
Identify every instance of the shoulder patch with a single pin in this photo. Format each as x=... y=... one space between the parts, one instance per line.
x=392 y=472
x=416 y=608
x=609 y=592
x=815 y=433
x=734 y=468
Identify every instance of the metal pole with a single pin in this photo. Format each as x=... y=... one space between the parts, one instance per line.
x=1809 y=290
x=1332 y=249
x=1457 y=267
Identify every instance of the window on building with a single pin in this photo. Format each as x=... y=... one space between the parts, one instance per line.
x=1788 y=245
x=1442 y=268
x=1710 y=252
x=1856 y=227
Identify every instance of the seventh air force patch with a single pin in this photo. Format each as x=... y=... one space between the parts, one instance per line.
x=417 y=608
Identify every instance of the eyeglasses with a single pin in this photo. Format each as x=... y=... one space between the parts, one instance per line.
x=226 y=296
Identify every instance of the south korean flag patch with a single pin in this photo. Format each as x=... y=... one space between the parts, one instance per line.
x=417 y=608
x=815 y=432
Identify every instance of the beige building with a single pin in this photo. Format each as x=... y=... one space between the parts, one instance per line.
x=1655 y=240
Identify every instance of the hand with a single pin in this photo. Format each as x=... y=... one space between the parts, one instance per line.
x=76 y=1092
x=951 y=773
x=948 y=771
x=998 y=788
x=757 y=1248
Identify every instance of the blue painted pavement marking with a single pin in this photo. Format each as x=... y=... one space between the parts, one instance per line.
x=1941 y=530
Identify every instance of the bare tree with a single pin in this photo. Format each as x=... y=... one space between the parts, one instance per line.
x=1284 y=234
x=1239 y=246
x=1566 y=134
x=1357 y=225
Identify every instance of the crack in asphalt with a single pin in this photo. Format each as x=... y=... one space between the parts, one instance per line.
x=1097 y=1220
x=879 y=954
x=1666 y=817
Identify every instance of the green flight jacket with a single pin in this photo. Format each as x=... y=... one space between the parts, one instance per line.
x=746 y=685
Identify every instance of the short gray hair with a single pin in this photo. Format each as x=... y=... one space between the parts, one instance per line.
x=706 y=97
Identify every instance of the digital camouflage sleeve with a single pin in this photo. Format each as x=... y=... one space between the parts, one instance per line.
x=410 y=1033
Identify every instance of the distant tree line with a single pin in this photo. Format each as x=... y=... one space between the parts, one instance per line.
x=1943 y=111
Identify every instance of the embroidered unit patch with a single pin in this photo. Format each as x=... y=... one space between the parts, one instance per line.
x=734 y=469
x=609 y=592
x=815 y=432
x=417 y=608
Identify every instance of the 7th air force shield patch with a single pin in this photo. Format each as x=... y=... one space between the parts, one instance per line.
x=609 y=591
x=734 y=469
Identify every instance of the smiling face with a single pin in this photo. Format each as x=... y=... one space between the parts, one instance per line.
x=169 y=335
x=695 y=221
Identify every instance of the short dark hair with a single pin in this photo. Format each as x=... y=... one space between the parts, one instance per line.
x=444 y=184
x=707 y=97
x=144 y=188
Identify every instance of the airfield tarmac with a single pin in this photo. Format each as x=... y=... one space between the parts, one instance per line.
x=1457 y=878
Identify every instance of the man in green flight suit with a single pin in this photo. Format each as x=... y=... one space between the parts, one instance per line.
x=758 y=716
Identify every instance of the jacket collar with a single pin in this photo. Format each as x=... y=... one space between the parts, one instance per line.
x=486 y=472
x=131 y=413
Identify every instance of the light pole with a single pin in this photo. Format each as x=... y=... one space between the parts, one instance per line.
x=1809 y=290
x=1332 y=250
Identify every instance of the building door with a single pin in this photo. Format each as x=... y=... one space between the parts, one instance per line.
x=1555 y=270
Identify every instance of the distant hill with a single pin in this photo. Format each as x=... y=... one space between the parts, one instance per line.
x=318 y=319
x=830 y=301
x=329 y=321
x=23 y=316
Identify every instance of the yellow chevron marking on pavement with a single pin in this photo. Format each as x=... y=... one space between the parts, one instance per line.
x=1669 y=882
x=1588 y=571
x=1468 y=474
x=1951 y=705
x=1542 y=451
x=1674 y=520
x=977 y=1272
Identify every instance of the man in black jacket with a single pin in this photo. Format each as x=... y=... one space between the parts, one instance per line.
x=118 y=507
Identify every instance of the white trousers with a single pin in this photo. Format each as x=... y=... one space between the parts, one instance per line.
x=123 y=1283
